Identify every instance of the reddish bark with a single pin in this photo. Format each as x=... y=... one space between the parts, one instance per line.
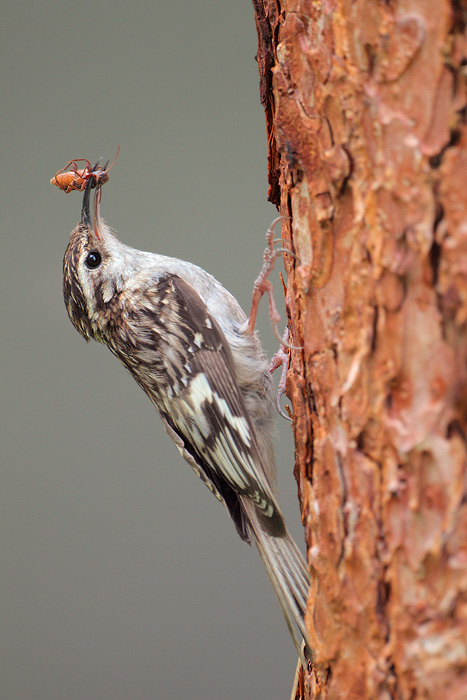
x=366 y=115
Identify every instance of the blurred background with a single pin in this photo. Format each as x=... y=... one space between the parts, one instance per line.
x=122 y=578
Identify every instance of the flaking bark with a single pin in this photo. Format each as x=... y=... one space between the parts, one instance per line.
x=365 y=106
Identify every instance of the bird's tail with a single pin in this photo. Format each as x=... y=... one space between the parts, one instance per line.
x=289 y=576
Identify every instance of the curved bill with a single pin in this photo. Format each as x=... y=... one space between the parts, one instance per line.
x=86 y=205
x=86 y=218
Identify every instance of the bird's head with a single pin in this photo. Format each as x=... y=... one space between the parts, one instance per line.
x=95 y=268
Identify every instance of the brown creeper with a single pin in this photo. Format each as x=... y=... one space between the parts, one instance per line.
x=184 y=339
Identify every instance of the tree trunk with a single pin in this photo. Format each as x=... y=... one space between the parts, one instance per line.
x=365 y=105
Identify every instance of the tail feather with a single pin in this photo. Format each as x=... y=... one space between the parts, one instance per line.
x=289 y=576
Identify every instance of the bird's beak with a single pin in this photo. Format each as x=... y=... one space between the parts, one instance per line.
x=86 y=205
x=91 y=222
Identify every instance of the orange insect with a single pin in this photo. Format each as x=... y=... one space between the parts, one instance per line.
x=70 y=178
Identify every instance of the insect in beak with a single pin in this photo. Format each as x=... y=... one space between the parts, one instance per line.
x=71 y=178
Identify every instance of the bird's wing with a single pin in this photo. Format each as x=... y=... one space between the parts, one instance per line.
x=199 y=397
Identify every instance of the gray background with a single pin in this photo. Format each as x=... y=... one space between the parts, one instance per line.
x=122 y=578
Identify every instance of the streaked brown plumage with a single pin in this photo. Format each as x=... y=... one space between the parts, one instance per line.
x=184 y=339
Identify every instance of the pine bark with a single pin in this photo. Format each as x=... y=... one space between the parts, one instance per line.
x=365 y=104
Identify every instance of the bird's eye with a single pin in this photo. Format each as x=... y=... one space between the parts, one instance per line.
x=93 y=259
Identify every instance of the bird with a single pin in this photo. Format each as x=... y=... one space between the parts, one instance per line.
x=189 y=345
